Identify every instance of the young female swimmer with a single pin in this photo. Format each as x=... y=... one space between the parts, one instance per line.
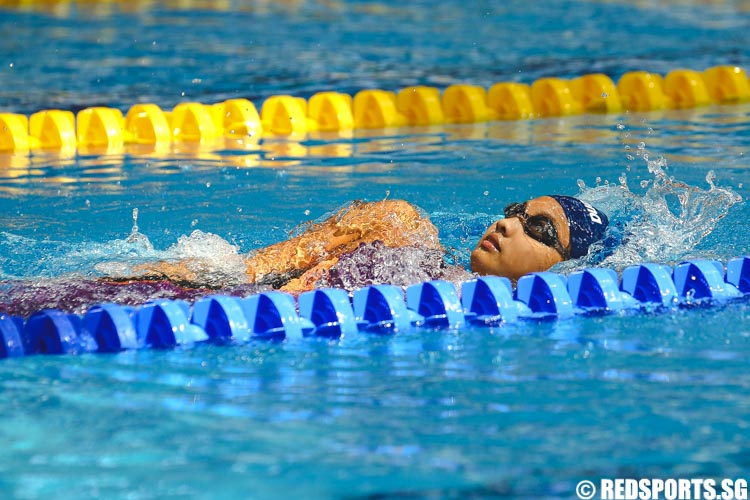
x=533 y=236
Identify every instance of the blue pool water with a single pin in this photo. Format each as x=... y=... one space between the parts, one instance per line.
x=520 y=411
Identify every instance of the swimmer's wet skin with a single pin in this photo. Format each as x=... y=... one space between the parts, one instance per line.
x=533 y=236
x=536 y=235
x=297 y=264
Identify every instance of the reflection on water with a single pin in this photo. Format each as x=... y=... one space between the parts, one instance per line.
x=108 y=167
x=687 y=136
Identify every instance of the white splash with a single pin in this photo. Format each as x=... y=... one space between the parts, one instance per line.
x=664 y=224
x=214 y=259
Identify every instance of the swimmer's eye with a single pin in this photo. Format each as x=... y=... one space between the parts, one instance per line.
x=540 y=227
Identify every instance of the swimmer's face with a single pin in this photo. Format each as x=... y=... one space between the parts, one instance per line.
x=509 y=249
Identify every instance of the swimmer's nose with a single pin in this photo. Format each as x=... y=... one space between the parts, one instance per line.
x=508 y=226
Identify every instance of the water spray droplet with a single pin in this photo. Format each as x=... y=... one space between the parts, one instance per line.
x=135 y=236
x=710 y=178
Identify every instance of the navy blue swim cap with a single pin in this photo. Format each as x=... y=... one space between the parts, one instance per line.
x=587 y=223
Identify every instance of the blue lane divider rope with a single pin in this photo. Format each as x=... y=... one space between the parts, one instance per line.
x=112 y=326
x=380 y=309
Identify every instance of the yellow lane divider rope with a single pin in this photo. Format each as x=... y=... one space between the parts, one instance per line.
x=289 y=116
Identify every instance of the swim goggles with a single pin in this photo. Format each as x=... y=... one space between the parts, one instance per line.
x=540 y=227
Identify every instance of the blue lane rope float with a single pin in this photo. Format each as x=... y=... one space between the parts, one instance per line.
x=108 y=130
x=378 y=309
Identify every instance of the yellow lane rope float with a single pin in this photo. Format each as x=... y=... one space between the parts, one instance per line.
x=288 y=116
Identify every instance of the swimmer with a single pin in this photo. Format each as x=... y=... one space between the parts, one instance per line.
x=533 y=236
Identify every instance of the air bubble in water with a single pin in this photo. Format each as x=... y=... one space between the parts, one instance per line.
x=194 y=223
x=486 y=193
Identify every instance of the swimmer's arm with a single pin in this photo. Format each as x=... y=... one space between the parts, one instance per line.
x=300 y=253
x=181 y=272
x=393 y=222
x=326 y=241
x=297 y=254
x=317 y=248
